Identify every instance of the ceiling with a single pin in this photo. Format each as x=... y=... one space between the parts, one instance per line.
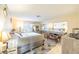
x=40 y=12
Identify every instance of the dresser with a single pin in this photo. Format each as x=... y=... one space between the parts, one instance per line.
x=70 y=45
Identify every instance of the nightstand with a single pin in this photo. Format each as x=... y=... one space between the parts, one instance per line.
x=2 y=48
x=12 y=51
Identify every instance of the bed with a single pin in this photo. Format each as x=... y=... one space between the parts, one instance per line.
x=29 y=41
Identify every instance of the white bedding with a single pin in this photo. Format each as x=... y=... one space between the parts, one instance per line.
x=25 y=39
x=30 y=38
x=30 y=34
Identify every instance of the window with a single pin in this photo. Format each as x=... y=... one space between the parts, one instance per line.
x=61 y=26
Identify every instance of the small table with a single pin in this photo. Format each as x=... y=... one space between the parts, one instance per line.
x=2 y=47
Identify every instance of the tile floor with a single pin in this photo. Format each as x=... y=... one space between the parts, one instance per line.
x=52 y=49
x=56 y=50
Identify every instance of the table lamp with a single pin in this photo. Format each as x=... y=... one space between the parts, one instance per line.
x=4 y=37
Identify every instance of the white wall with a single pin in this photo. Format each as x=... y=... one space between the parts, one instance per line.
x=72 y=19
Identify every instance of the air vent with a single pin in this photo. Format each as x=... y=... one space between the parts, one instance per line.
x=38 y=16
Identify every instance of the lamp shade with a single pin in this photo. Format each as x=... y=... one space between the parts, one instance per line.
x=5 y=36
x=0 y=36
